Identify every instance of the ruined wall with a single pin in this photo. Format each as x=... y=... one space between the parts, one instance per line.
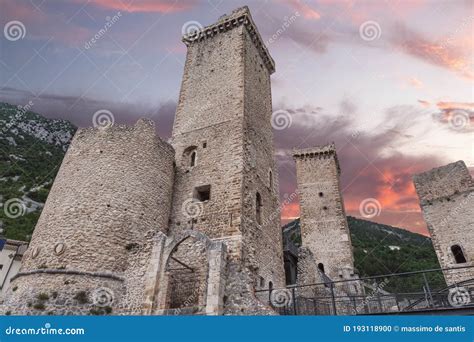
x=324 y=229
x=447 y=199
x=93 y=240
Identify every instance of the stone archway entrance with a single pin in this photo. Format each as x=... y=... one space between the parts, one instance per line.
x=188 y=276
x=187 y=269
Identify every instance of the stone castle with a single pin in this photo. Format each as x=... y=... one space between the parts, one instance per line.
x=136 y=225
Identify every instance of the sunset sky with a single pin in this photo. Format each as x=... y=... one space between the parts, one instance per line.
x=390 y=82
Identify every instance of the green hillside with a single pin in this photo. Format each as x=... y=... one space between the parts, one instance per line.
x=31 y=150
x=381 y=249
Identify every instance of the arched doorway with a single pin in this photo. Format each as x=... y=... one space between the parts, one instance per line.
x=187 y=270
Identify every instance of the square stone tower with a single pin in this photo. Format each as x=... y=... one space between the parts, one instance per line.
x=226 y=180
x=324 y=229
x=447 y=200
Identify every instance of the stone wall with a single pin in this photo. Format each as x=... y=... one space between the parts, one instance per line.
x=446 y=199
x=324 y=229
x=262 y=240
x=112 y=194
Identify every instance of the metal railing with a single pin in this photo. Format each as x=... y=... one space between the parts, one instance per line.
x=383 y=294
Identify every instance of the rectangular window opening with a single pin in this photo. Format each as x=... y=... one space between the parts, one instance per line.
x=202 y=193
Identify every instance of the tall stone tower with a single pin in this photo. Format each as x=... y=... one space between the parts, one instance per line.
x=324 y=229
x=226 y=180
x=447 y=200
x=91 y=247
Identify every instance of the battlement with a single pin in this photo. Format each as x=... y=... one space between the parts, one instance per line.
x=238 y=17
x=318 y=152
x=143 y=129
x=443 y=181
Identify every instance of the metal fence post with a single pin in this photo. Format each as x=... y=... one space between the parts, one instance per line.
x=431 y=303
x=333 y=300
x=294 y=300
x=379 y=300
x=396 y=300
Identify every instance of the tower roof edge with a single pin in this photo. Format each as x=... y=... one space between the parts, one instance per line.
x=239 y=16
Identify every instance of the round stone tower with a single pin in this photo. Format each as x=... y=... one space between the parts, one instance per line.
x=91 y=247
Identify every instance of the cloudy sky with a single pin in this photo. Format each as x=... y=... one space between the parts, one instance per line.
x=390 y=82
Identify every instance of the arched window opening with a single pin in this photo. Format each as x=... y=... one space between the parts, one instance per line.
x=189 y=157
x=458 y=254
x=258 y=204
x=270 y=289
x=321 y=267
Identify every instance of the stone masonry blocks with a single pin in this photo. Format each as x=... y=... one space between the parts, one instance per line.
x=447 y=200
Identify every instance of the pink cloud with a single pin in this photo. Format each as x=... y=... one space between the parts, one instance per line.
x=442 y=55
x=424 y=103
x=161 y=6
x=307 y=11
x=413 y=81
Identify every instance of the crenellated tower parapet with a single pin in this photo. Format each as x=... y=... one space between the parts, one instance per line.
x=238 y=17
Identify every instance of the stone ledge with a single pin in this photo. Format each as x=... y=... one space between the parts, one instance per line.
x=69 y=272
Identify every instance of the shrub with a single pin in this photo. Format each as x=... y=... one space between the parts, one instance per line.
x=39 y=306
x=42 y=296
